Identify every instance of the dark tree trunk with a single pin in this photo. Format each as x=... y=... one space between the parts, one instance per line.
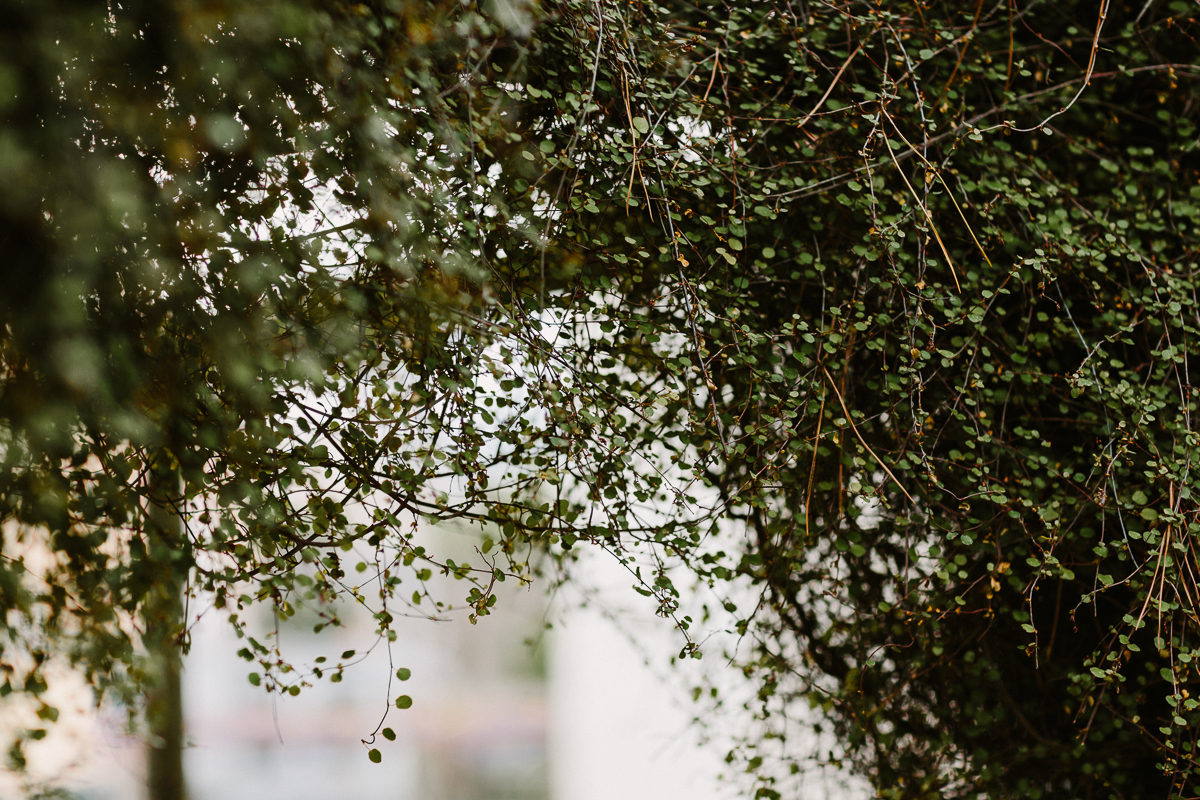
x=164 y=716
x=164 y=623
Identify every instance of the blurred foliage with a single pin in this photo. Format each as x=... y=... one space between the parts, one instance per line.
x=234 y=289
x=876 y=314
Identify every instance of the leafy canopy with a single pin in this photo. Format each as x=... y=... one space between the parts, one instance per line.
x=879 y=315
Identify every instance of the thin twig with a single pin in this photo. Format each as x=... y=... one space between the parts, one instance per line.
x=825 y=96
x=853 y=427
x=923 y=207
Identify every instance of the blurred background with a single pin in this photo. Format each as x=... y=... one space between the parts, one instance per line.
x=508 y=709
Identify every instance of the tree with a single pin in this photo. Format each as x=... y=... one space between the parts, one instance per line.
x=184 y=324
x=878 y=314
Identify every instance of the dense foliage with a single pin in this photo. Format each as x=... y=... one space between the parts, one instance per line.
x=910 y=287
x=877 y=314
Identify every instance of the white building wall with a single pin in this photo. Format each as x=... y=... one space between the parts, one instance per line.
x=616 y=729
